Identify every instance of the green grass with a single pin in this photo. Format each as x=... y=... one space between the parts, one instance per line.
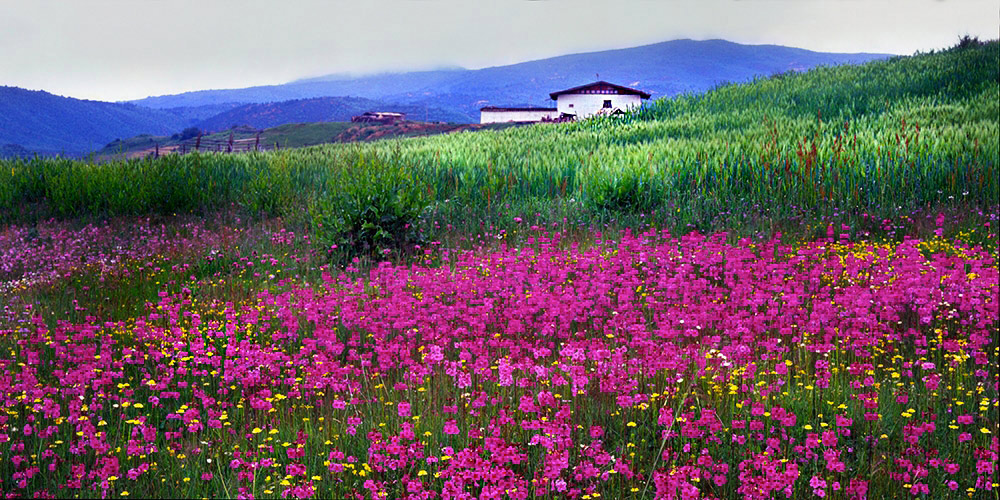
x=877 y=140
x=296 y=135
x=291 y=135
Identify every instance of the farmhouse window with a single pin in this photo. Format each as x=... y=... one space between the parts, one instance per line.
x=607 y=103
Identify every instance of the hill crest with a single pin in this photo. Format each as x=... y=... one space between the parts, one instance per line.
x=664 y=69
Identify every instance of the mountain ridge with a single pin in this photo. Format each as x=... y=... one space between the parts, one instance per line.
x=665 y=68
x=38 y=120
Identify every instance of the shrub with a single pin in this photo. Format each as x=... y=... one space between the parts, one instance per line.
x=371 y=204
x=190 y=133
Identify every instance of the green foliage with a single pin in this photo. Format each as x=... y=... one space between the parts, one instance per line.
x=629 y=190
x=370 y=203
x=271 y=191
x=296 y=135
x=967 y=41
x=888 y=136
x=847 y=92
x=189 y=133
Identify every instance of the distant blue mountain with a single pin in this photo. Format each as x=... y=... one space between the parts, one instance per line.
x=369 y=87
x=39 y=121
x=663 y=69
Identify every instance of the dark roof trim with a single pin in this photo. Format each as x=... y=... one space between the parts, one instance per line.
x=620 y=88
x=497 y=108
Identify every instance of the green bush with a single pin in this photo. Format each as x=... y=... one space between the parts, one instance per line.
x=629 y=190
x=369 y=205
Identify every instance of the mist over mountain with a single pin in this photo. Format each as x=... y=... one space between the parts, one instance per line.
x=663 y=69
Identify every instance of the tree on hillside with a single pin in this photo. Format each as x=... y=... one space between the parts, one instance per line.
x=188 y=133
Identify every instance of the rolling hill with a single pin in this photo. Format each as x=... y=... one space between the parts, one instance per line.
x=663 y=69
x=320 y=109
x=289 y=135
x=39 y=121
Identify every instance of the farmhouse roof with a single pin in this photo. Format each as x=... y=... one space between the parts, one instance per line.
x=503 y=108
x=600 y=87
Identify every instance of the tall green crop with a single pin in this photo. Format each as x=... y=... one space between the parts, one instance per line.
x=905 y=132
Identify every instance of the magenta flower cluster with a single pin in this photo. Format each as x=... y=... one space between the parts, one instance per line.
x=648 y=365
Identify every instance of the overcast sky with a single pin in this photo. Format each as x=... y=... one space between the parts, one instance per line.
x=128 y=49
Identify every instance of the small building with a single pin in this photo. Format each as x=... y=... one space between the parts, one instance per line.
x=495 y=114
x=597 y=98
x=379 y=117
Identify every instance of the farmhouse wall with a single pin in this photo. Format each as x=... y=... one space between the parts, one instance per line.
x=584 y=105
x=517 y=116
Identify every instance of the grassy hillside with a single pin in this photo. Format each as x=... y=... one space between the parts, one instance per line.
x=869 y=141
x=289 y=135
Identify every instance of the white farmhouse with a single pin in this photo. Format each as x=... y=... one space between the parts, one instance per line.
x=494 y=114
x=597 y=98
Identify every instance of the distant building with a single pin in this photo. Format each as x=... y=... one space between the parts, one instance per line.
x=597 y=98
x=379 y=117
x=494 y=114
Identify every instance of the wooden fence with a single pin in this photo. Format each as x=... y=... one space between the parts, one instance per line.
x=203 y=144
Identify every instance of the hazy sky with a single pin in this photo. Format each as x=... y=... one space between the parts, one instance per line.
x=127 y=49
